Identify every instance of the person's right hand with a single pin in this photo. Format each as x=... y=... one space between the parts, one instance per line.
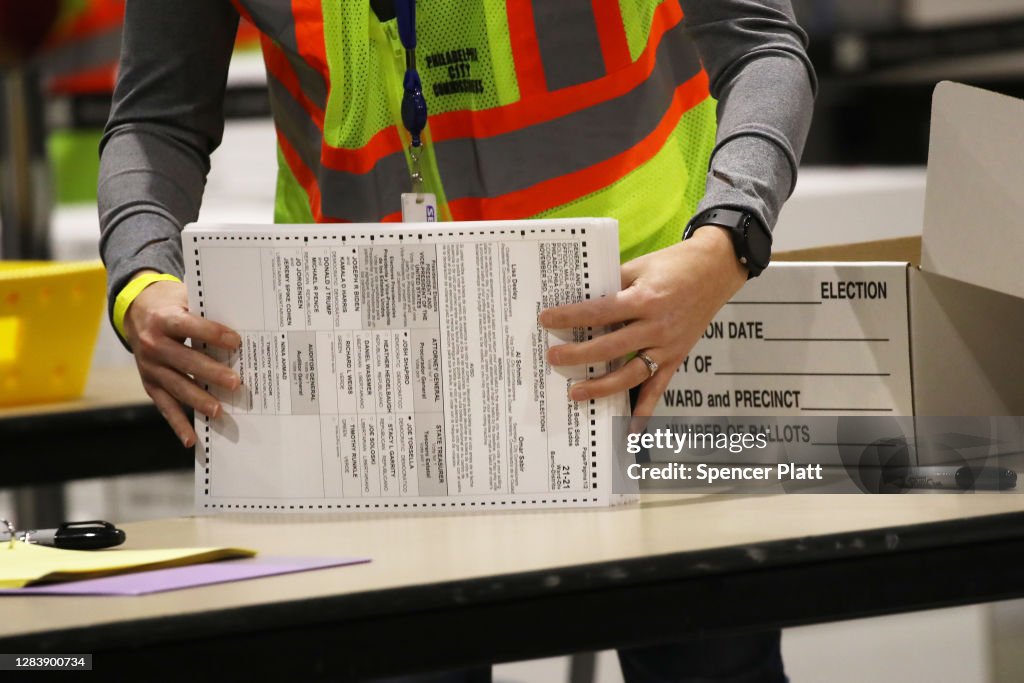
x=156 y=326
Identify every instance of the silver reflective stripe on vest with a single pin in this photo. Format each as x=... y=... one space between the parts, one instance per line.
x=570 y=47
x=491 y=167
x=310 y=80
x=274 y=18
x=80 y=55
x=356 y=197
x=294 y=124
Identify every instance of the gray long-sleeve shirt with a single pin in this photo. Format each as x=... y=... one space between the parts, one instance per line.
x=167 y=118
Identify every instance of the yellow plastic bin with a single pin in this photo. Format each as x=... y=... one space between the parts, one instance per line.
x=49 y=317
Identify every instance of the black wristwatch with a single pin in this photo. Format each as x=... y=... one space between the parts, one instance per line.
x=751 y=240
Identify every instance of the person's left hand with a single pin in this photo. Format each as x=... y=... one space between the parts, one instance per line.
x=668 y=299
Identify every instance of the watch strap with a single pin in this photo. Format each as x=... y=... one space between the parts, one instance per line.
x=739 y=222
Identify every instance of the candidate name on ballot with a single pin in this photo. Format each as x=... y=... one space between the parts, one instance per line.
x=401 y=367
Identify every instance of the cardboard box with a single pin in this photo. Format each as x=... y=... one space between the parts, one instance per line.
x=863 y=204
x=835 y=337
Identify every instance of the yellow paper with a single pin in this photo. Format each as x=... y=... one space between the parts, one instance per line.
x=26 y=564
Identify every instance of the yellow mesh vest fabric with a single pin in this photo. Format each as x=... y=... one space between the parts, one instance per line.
x=465 y=57
x=291 y=203
x=359 y=106
x=637 y=16
x=651 y=210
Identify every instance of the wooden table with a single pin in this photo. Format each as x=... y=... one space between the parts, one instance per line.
x=450 y=590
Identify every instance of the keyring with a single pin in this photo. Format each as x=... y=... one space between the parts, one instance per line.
x=652 y=366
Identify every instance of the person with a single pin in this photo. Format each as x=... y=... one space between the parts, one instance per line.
x=78 y=60
x=650 y=111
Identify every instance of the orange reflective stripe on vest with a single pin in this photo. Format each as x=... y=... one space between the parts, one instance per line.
x=614 y=46
x=525 y=48
x=293 y=50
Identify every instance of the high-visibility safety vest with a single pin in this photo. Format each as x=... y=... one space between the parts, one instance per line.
x=538 y=109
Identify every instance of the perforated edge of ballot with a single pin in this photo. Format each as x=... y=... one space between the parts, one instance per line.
x=390 y=367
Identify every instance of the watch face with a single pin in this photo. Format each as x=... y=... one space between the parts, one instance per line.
x=753 y=243
x=759 y=243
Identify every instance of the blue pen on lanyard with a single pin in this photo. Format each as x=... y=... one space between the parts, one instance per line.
x=414 y=104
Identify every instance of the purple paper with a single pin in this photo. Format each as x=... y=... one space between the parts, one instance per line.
x=190 y=576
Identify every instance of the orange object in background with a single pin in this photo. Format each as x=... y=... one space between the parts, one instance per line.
x=79 y=60
x=80 y=55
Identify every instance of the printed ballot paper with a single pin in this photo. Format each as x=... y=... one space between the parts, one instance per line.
x=401 y=366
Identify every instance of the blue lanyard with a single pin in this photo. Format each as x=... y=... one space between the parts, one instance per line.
x=414 y=104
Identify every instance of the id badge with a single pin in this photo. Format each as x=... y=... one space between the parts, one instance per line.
x=419 y=207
